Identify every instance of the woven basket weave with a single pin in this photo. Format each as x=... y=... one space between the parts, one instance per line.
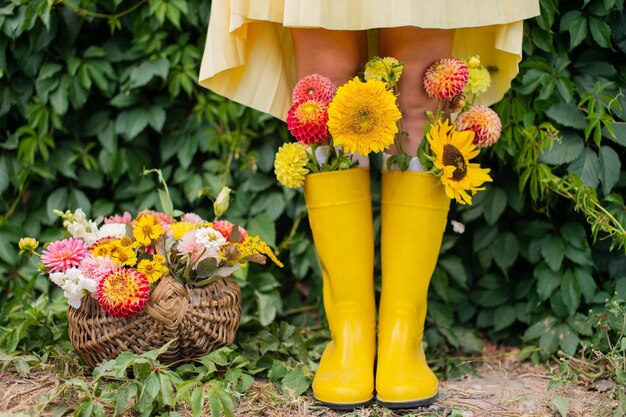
x=200 y=320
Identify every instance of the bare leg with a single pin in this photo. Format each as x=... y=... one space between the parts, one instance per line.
x=336 y=54
x=417 y=48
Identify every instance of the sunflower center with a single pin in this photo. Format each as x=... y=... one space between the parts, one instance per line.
x=452 y=156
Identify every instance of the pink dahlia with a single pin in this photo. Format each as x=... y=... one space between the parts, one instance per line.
x=63 y=254
x=314 y=87
x=446 y=78
x=125 y=219
x=192 y=218
x=124 y=292
x=97 y=268
x=225 y=227
x=307 y=120
x=484 y=122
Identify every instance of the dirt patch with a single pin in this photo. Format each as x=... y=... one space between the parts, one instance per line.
x=499 y=386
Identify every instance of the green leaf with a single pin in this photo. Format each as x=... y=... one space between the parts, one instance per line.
x=156 y=117
x=297 y=381
x=600 y=31
x=263 y=226
x=577 y=31
x=586 y=166
x=455 y=269
x=561 y=405
x=547 y=281
x=586 y=283
x=609 y=168
x=570 y=292
x=504 y=316
x=505 y=250
x=494 y=204
x=143 y=73
x=567 y=150
x=567 y=115
x=197 y=401
x=552 y=252
x=56 y=201
x=269 y=304
x=166 y=202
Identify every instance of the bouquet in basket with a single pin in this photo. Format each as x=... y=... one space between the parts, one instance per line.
x=119 y=260
x=336 y=127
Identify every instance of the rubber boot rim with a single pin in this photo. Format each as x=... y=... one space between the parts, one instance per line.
x=345 y=406
x=402 y=405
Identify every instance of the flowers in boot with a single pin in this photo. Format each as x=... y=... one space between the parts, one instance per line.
x=290 y=165
x=484 y=122
x=446 y=78
x=307 y=120
x=362 y=117
x=314 y=87
x=452 y=151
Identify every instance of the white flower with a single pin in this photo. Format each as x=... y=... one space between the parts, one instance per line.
x=457 y=226
x=75 y=285
x=115 y=230
x=86 y=230
x=59 y=278
x=210 y=239
x=79 y=216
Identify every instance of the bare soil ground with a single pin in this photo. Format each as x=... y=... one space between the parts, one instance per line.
x=500 y=386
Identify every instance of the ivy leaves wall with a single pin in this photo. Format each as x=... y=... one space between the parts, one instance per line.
x=94 y=92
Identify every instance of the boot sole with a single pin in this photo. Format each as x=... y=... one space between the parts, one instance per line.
x=345 y=406
x=403 y=405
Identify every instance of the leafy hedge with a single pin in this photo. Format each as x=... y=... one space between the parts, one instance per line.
x=94 y=92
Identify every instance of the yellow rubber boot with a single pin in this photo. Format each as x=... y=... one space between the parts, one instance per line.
x=414 y=215
x=340 y=215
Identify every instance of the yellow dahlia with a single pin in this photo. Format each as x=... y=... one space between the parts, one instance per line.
x=484 y=122
x=445 y=78
x=362 y=117
x=479 y=80
x=147 y=228
x=290 y=164
x=388 y=70
x=452 y=151
x=153 y=270
x=123 y=293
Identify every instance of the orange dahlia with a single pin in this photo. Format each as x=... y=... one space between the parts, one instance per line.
x=225 y=228
x=306 y=121
x=446 y=78
x=314 y=87
x=124 y=292
x=484 y=122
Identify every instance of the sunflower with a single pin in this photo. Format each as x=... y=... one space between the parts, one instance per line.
x=362 y=117
x=452 y=151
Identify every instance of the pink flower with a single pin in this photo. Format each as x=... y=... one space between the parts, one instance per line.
x=314 y=87
x=484 y=122
x=307 y=120
x=64 y=254
x=225 y=227
x=193 y=249
x=446 y=78
x=126 y=218
x=192 y=218
x=97 y=268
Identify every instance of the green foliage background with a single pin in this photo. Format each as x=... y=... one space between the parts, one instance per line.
x=91 y=93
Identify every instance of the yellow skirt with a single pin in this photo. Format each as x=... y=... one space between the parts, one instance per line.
x=248 y=56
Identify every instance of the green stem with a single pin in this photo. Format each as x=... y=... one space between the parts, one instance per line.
x=314 y=157
x=85 y=12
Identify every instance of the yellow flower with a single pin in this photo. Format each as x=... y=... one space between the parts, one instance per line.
x=479 y=81
x=151 y=269
x=362 y=117
x=146 y=229
x=27 y=245
x=102 y=250
x=158 y=258
x=124 y=256
x=290 y=164
x=452 y=151
x=180 y=228
x=386 y=69
x=253 y=245
x=126 y=241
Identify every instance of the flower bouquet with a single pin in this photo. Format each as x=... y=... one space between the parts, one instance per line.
x=336 y=128
x=138 y=283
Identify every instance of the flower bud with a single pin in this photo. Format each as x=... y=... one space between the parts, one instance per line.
x=473 y=62
x=457 y=103
x=28 y=245
x=222 y=201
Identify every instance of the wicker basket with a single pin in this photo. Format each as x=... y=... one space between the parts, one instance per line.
x=199 y=319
